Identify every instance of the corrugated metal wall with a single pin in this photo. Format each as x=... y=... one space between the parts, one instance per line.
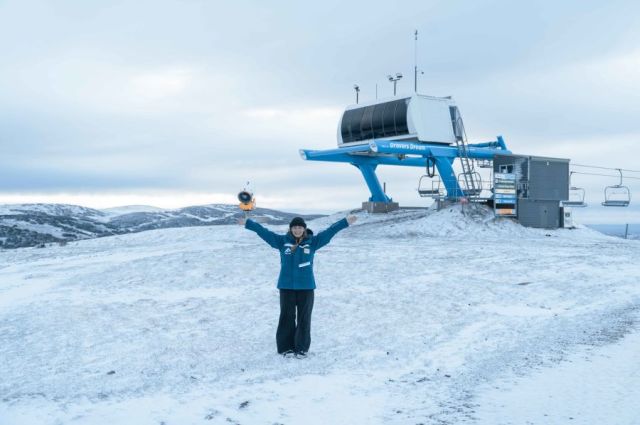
x=549 y=179
x=541 y=214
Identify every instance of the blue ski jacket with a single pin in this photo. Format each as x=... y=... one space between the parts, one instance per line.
x=296 y=265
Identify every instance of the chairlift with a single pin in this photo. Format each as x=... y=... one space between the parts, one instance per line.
x=617 y=195
x=576 y=196
x=424 y=190
x=477 y=182
x=423 y=186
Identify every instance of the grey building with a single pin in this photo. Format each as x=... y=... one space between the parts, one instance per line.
x=542 y=183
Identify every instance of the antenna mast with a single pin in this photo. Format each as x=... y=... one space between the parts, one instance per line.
x=415 y=61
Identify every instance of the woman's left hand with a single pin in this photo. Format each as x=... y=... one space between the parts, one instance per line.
x=351 y=219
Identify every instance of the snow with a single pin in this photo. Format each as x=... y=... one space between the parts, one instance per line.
x=51 y=209
x=34 y=227
x=589 y=387
x=128 y=209
x=420 y=317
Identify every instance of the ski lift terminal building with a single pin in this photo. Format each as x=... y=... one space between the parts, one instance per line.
x=428 y=132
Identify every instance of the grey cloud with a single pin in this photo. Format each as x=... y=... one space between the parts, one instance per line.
x=23 y=179
x=74 y=82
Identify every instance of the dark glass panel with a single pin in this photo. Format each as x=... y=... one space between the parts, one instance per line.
x=356 y=119
x=376 y=121
x=388 y=122
x=456 y=121
x=345 y=127
x=365 y=125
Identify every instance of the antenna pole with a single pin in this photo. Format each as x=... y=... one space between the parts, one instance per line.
x=415 y=61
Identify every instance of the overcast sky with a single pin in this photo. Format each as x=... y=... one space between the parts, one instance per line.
x=175 y=103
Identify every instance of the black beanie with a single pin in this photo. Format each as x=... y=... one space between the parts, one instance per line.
x=297 y=221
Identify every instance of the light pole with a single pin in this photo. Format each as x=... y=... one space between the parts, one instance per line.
x=357 y=89
x=395 y=81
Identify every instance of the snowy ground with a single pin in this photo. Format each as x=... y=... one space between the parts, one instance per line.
x=420 y=318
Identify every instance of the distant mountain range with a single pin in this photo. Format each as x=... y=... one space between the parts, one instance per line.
x=25 y=225
x=631 y=231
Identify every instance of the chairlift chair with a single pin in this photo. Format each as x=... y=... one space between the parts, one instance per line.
x=425 y=191
x=576 y=196
x=617 y=195
x=477 y=182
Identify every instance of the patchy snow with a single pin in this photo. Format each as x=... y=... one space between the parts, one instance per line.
x=420 y=317
x=34 y=227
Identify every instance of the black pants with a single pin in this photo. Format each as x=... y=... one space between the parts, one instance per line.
x=292 y=336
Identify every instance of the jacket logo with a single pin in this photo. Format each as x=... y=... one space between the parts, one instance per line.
x=287 y=251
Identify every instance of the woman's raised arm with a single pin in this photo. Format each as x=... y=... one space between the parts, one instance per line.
x=267 y=235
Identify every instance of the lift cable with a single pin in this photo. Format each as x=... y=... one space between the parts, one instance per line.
x=605 y=168
x=604 y=175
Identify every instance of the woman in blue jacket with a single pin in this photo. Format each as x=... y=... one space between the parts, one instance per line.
x=296 y=281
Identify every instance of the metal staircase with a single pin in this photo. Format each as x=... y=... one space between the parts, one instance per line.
x=469 y=173
x=471 y=178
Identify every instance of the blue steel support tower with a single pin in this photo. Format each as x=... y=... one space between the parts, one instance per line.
x=409 y=154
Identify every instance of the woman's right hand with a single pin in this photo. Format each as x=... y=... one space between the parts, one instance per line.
x=242 y=221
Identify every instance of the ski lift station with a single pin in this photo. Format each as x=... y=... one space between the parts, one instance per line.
x=428 y=132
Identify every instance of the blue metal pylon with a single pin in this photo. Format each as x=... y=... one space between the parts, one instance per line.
x=369 y=173
x=367 y=157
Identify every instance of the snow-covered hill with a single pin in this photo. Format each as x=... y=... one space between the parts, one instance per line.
x=420 y=317
x=127 y=209
x=24 y=225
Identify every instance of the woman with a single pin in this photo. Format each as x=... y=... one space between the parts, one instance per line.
x=296 y=281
